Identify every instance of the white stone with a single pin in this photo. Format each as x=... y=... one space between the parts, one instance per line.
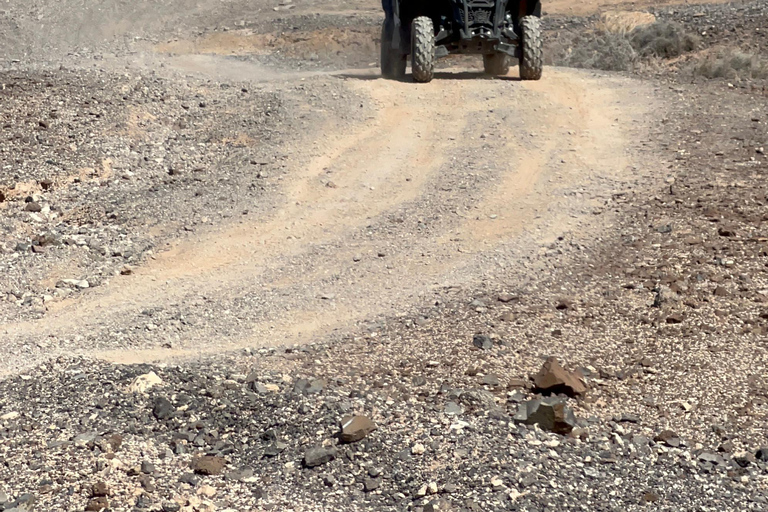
x=143 y=383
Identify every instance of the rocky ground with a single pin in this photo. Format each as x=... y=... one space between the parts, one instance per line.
x=660 y=308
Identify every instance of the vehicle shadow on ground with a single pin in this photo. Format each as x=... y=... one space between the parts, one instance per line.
x=439 y=75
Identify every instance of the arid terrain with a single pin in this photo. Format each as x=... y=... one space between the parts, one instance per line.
x=240 y=271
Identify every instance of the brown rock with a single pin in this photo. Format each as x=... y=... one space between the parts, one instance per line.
x=355 y=428
x=208 y=465
x=99 y=489
x=554 y=379
x=508 y=317
x=115 y=442
x=97 y=504
x=650 y=497
x=726 y=231
x=721 y=291
x=33 y=207
x=675 y=318
x=667 y=437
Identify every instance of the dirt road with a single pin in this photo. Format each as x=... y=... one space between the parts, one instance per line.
x=374 y=217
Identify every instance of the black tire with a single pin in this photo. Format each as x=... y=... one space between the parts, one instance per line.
x=423 y=49
x=496 y=64
x=393 y=62
x=531 y=51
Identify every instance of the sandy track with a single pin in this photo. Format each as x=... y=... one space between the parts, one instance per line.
x=378 y=216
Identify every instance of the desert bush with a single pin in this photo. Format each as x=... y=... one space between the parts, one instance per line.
x=662 y=39
x=731 y=65
x=596 y=50
x=614 y=47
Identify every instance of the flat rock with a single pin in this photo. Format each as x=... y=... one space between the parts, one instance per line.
x=355 y=428
x=318 y=456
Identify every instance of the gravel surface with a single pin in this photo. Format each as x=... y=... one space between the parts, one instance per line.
x=142 y=161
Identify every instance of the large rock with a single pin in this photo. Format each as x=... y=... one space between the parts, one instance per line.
x=553 y=379
x=144 y=383
x=208 y=465
x=163 y=409
x=355 y=428
x=549 y=413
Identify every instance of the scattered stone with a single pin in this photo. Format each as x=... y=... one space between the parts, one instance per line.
x=171 y=506
x=189 y=478
x=762 y=454
x=371 y=484
x=628 y=418
x=438 y=505
x=97 y=504
x=549 y=413
x=418 y=449
x=208 y=465
x=207 y=491
x=554 y=379
x=491 y=380
x=355 y=428
x=147 y=468
x=9 y=416
x=453 y=408
x=275 y=449
x=33 y=206
x=482 y=341
x=318 y=456
x=309 y=387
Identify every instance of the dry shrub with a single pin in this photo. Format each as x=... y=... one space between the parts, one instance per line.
x=623 y=22
x=662 y=39
x=621 y=48
x=731 y=65
x=601 y=50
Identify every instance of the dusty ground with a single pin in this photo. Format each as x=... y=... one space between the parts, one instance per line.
x=230 y=192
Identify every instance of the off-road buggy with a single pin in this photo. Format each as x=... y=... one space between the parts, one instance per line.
x=428 y=29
